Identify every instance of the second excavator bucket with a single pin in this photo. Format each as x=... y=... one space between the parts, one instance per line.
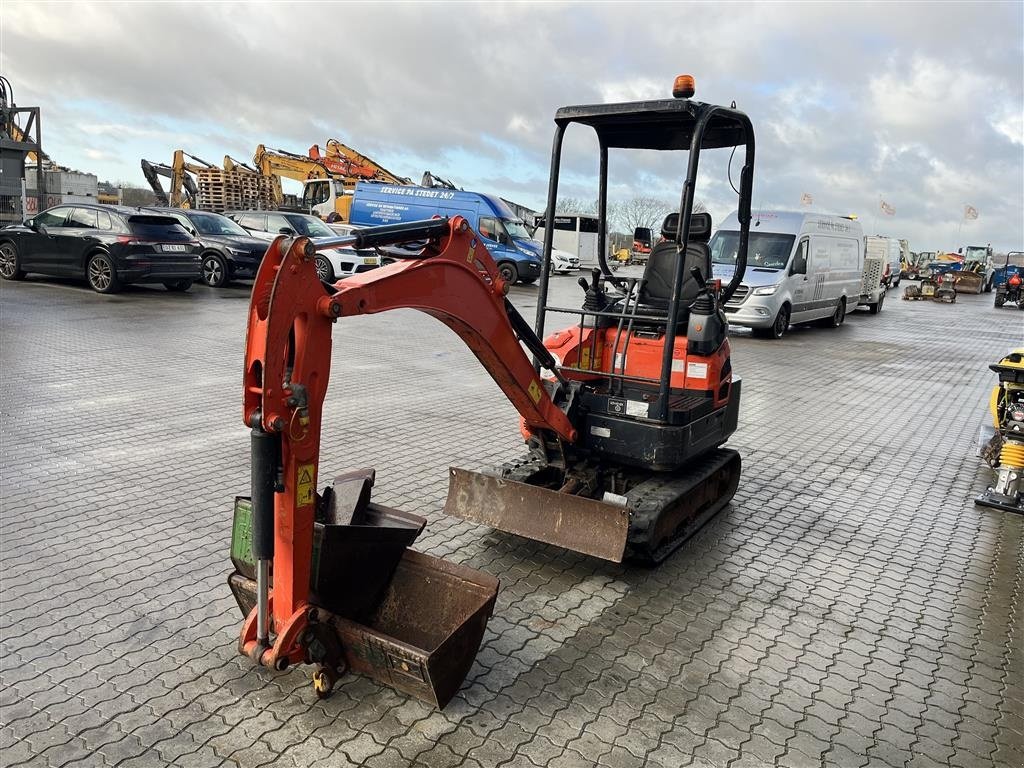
x=590 y=526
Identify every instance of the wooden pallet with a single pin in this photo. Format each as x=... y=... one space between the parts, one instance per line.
x=221 y=190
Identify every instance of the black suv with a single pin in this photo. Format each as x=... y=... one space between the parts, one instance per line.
x=110 y=246
x=229 y=251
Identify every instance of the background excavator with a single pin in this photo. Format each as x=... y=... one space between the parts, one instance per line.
x=328 y=179
x=624 y=413
x=183 y=190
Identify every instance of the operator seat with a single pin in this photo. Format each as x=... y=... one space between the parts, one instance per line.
x=661 y=264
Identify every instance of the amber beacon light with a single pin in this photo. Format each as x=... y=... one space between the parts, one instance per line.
x=684 y=87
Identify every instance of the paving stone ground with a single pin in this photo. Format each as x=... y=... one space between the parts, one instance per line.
x=851 y=607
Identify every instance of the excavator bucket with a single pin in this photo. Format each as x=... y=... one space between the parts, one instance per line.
x=590 y=526
x=969 y=282
x=408 y=620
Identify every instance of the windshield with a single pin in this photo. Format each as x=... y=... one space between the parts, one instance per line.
x=311 y=227
x=976 y=252
x=214 y=224
x=516 y=229
x=1015 y=259
x=765 y=250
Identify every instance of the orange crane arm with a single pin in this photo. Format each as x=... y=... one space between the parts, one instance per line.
x=372 y=169
x=287 y=368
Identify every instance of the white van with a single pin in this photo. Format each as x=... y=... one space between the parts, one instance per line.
x=888 y=249
x=575 y=237
x=801 y=267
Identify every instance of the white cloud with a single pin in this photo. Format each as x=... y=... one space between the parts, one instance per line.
x=848 y=101
x=1010 y=124
x=634 y=89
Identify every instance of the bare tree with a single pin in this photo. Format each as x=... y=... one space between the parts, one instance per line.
x=574 y=205
x=134 y=196
x=626 y=216
x=639 y=212
x=643 y=212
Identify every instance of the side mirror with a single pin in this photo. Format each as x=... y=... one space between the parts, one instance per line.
x=31 y=224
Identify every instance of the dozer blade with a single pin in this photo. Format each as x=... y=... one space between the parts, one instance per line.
x=577 y=523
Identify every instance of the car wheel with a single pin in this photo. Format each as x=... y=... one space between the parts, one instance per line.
x=215 y=271
x=839 y=315
x=101 y=274
x=324 y=271
x=780 y=325
x=899 y=279
x=508 y=272
x=9 y=269
x=1000 y=299
x=178 y=286
x=875 y=308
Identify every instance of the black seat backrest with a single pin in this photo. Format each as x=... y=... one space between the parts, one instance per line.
x=661 y=263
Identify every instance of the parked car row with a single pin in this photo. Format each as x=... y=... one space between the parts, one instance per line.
x=331 y=264
x=113 y=246
x=108 y=246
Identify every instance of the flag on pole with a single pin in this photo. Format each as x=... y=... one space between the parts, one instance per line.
x=806 y=199
x=970 y=212
x=887 y=209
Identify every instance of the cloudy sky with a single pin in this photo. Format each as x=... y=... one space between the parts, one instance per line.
x=917 y=104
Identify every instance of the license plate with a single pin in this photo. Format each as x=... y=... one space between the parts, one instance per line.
x=370 y=260
x=173 y=248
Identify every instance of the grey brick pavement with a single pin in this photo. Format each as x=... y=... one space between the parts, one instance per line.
x=851 y=607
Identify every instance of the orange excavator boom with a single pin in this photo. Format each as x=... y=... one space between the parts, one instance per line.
x=288 y=359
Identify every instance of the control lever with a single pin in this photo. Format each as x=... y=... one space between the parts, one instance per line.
x=699 y=277
x=594 y=300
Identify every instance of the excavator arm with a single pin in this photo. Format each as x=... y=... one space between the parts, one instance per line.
x=277 y=162
x=180 y=180
x=287 y=368
x=370 y=168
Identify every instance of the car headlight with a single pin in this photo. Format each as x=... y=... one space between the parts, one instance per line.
x=238 y=251
x=765 y=290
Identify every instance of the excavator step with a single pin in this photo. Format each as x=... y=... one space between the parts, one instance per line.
x=650 y=521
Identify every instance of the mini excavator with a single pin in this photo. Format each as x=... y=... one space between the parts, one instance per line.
x=624 y=413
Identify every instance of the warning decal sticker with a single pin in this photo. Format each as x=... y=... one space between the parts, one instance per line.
x=305 y=486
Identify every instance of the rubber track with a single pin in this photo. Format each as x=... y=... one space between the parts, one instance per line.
x=652 y=498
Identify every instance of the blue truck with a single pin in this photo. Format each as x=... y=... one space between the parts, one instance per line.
x=518 y=256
